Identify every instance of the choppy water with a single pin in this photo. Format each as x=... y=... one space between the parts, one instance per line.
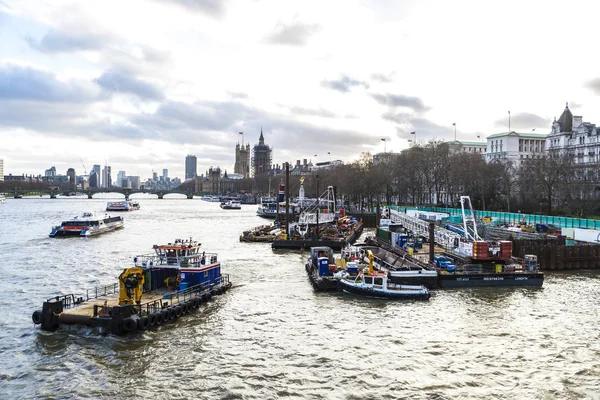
x=272 y=336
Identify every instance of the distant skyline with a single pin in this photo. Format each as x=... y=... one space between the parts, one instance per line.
x=139 y=85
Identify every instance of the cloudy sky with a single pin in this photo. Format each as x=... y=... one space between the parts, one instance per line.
x=141 y=84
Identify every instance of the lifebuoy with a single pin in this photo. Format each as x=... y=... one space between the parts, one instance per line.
x=143 y=323
x=129 y=325
x=37 y=317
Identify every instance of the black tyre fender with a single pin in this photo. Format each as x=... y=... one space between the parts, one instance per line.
x=209 y=296
x=178 y=311
x=129 y=324
x=164 y=316
x=36 y=317
x=143 y=323
x=153 y=318
x=196 y=302
x=172 y=313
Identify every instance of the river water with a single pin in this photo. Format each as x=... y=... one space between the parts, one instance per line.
x=272 y=336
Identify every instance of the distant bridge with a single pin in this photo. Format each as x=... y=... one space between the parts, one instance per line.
x=17 y=193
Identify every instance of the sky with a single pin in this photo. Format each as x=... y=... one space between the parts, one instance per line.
x=138 y=85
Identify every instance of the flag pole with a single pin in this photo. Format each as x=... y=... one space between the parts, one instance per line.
x=509 y=122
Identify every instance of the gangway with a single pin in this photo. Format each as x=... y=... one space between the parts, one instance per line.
x=442 y=236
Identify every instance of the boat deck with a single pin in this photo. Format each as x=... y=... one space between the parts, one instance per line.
x=87 y=308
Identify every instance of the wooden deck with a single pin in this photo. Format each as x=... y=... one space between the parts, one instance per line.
x=87 y=308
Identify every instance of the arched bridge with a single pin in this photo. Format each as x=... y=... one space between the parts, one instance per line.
x=90 y=192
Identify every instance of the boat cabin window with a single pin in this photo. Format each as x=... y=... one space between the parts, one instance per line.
x=378 y=281
x=368 y=280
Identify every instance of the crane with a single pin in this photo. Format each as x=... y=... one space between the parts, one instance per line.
x=84 y=169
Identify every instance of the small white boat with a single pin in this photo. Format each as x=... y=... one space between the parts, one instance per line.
x=231 y=205
x=377 y=284
x=2 y=198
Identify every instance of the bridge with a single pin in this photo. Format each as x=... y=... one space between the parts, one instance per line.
x=90 y=192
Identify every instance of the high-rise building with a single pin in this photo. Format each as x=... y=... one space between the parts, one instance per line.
x=190 y=167
x=72 y=178
x=135 y=182
x=261 y=158
x=106 y=177
x=121 y=176
x=1 y=169
x=50 y=172
x=242 y=160
x=94 y=179
x=165 y=174
x=96 y=171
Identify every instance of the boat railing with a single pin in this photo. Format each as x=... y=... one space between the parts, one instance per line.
x=153 y=260
x=178 y=297
x=101 y=291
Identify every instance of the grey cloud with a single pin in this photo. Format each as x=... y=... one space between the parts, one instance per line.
x=383 y=78
x=399 y=100
x=119 y=82
x=215 y=8
x=294 y=34
x=344 y=84
x=399 y=118
x=57 y=41
x=317 y=112
x=26 y=83
x=523 y=121
x=593 y=85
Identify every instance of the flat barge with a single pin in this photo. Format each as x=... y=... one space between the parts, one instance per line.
x=335 y=244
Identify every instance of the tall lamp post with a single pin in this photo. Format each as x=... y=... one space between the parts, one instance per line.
x=384 y=148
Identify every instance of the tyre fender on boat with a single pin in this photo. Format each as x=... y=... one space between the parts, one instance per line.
x=178 y=311
x=154 y=317
x=129 y=324
x=172 y=313
x=196 y=302
x=143 y=323
x=36 y=317
x=164 y=316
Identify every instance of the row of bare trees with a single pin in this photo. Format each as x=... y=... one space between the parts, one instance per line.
x=433 y=174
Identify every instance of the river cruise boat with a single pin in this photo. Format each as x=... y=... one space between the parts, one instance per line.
x=231 y=205
x=87 y=224
x=126 y=205
x=161 y=287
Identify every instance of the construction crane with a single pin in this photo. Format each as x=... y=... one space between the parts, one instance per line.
x=84 y=169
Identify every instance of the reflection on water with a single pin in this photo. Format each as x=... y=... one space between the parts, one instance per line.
x=272 y=336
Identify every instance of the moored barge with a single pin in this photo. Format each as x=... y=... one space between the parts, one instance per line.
x=175 y=280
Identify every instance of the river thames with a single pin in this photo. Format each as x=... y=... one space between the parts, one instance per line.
x=272 y=336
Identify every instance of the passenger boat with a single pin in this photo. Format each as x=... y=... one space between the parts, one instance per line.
x=377 y=284
x=231 y=205
x=2 y=198
x=126 y=205
x=174 y=280
x=88 y=224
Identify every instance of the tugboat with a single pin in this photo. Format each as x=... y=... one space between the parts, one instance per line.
x=377 y=284
x=88 y=224
x=325 y=271
x=161 y=287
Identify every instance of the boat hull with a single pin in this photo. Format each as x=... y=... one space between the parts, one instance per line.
x=348 y=287
x=429 y=281
x=325 y=284
x=449 y=280
x=84 y=233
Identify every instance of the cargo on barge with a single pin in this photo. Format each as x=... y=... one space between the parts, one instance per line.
x=174 y=281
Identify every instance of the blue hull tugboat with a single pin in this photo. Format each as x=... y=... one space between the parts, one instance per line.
x=161 y=287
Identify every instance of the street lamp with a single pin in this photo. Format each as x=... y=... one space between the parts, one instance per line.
x=384 y=149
